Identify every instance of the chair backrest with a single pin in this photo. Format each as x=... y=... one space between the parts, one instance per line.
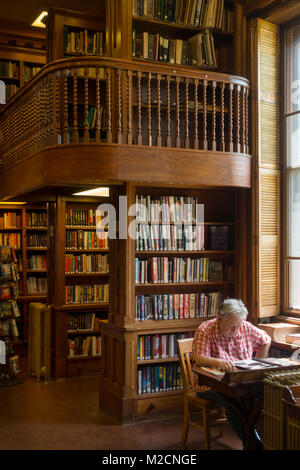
x=184 y=351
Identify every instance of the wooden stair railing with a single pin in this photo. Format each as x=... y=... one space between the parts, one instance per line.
x=96 y=100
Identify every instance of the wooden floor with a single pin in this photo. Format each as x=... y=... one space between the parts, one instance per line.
x=63 y=415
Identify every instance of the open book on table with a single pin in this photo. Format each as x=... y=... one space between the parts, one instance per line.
x=254 y=364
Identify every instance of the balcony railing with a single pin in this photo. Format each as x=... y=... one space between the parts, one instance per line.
x=97 y=100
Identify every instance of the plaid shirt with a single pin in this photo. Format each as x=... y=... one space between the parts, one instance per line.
x=209 y=342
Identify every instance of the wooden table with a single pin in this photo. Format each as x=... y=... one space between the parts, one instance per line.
x=245 y=390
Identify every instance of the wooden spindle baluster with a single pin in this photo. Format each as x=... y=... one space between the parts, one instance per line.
x=196 y=140
x=246 y=122
x=119 y=107
x=57 y=108
x=75 y=105
x=204 y=114
x=139 y=110
x=222 y=137
x=214 y=142
x=108 y=107
x=177 y=112
x=187 y=136
x=237 y=119
x=243 y=149
x=168 y=127
x=158 y=138
x=149 y=130
x=98 y=108
x=129 y=107
x=64 y=122
x=230 y=117
x=86 y=106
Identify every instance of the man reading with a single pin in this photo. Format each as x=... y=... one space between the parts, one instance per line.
x=223 y=340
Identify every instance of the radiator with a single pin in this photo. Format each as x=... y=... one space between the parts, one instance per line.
x=39 y=341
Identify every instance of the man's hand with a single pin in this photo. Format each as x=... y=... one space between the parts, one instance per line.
x=223 y=364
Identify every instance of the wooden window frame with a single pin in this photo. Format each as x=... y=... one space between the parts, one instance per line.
x=285 y=77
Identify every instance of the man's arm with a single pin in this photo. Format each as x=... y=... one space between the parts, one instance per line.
x=221 y=364
x=263 y=351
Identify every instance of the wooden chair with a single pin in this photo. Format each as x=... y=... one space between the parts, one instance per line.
x=208 y=414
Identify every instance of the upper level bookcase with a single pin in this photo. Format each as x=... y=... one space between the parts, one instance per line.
x=73 y=33
x=22 y=54
x=162 y=30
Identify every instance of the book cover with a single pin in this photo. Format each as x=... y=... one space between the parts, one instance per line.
x=218 y=237
x=216 y=271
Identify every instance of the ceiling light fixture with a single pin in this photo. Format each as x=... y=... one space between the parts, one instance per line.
x=38 y=22
x=94 y=192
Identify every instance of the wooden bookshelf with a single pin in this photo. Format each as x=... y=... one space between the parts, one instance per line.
x=20 y=226
x=81 y=287
x=22 y=54
x=216 y=20
x=142 y=392
x=72 y=33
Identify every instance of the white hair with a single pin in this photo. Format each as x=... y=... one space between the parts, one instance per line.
x=233 y=307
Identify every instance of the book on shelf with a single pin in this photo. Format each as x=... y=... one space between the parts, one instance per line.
x=85 y=294
x=176 y=306
x=86 y=240
x=36 y=219
x=218 y=236
x=160 y=378
x=88 y=346
x=167 y=270
x=87 y=264
x=83 y=42
x=293 y=338
x=196 y=13
x=216 y=271
x=199 y=51
x=81 y=322
x=159 y=346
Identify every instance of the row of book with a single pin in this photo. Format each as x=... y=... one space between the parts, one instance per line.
x=83 y=42
x=86 y=240
x=37 y=285
x=36 y=219
x=176 y=306
x=10 y=220
x=168 y=209
x=11 y=239
x=80 y=346
x=160 y=346
x=86 y=294
x=86 y=264
x=9 y=69
x=10 y=90
x=154 y=379
x=81 y=321
x=30 y=71
x=168 y=237
x=37 y=262
x=92 y=118
x=9 y=309
x=80 y=218
x=196 y=51
x=198 y=13
x=36 y=240
x=169 y=270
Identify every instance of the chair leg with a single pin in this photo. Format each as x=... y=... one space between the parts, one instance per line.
x=185 y=428
x=206 y=428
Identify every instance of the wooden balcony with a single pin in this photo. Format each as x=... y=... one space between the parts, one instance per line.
x=91 y=120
